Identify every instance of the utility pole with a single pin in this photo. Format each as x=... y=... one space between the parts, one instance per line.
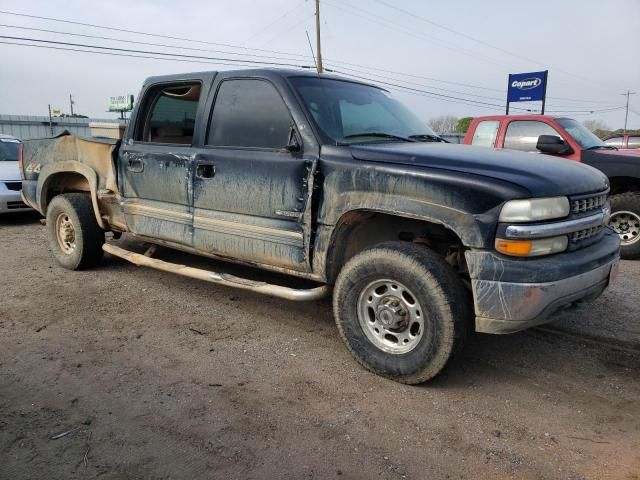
x=71 y=102
x=626 y=113
x=50 y=121
x=318 y=49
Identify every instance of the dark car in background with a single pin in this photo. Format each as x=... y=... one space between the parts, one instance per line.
x=10 y=180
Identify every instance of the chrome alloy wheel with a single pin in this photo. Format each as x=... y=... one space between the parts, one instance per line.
x=390 y=316
x=627 y=225
x=65 y=233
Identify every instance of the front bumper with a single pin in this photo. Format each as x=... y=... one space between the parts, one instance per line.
x=515 y=294
x=11 y=201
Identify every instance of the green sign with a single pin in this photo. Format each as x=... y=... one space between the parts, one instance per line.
x=123 y=103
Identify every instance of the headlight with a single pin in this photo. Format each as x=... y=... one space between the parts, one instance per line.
x=534 y=209
x=532 y=248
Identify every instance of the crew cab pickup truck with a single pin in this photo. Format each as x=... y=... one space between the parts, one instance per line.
x=335 y=182
x=566 y=138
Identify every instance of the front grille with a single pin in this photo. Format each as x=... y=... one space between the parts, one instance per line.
x=16 y=205
x=588 y=204
x=586 y=233
x=15 y=186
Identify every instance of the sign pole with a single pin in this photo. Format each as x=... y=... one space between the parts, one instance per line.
x=544 y=90
x=508 y=84
x=50 y=123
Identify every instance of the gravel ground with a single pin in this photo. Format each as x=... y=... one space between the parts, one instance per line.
x=162 y=377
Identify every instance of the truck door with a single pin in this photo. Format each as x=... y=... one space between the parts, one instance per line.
x=250 y=193
x=155 y=165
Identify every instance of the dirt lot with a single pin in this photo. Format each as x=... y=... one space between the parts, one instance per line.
x=164 y=377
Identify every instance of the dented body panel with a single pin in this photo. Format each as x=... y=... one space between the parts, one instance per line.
x=305 y=211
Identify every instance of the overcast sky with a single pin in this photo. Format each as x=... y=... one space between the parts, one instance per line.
x=590 y=47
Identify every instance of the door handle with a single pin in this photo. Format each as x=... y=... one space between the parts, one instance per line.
x=135 y=165
x=205 y=170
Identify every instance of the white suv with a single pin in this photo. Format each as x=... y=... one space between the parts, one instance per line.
x=10 y=180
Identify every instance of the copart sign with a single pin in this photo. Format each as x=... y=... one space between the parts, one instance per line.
x=527 y=87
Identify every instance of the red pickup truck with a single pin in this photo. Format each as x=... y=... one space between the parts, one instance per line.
x=566 y=138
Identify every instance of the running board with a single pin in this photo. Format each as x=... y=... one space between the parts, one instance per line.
x=217 y=278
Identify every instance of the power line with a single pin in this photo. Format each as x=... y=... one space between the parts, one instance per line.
x=137 y=42
x=336 y=62
x=482 y=42
x=128 y=50
x=157 y=35
x=270 y=24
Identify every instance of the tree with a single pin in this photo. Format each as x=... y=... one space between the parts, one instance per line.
x=443 y=124
x=592 y=125
x=463 y=124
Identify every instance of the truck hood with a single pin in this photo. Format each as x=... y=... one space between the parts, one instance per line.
x=9 y=171
x=541 y=175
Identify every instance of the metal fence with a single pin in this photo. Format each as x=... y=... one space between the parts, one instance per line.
x=26 y=127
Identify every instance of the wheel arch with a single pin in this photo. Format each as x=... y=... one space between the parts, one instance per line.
x=65 y=177
x=360 y=229
x=621 y=184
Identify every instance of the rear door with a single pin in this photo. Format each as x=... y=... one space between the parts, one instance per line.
x=155 y=165
x=250 y=194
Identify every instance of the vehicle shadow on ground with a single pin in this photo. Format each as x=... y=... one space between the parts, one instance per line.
x=16 y=219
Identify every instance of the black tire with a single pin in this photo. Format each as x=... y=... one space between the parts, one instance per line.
x=438 y=290
x=627 y=202
x=75 y=209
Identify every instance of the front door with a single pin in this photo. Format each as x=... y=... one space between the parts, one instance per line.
x=156 y=164
x=250 y=193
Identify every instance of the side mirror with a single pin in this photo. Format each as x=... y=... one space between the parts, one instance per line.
x=553 y=144
x=293 y=143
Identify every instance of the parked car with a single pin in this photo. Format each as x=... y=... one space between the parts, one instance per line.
x=10 y=179
x=623 y=141
x=567 y=138
x=337 y=182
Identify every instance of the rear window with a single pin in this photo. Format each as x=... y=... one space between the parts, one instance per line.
x=170 y=114
x=9 y=150
x=485 y=134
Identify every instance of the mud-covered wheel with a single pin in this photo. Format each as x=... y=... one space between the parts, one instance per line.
x=75 y=239
x=625 y=220
x=402 y=311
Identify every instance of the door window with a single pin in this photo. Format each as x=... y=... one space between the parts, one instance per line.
x=249 y=113
x=523 y=134
x=171 y=114
x=485 y=134
x=633 y=142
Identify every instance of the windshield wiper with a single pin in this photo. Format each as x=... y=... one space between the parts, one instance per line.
x=378 y=135
x=427 y=137
x=608 y=147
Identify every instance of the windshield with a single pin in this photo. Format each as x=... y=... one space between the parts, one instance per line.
x=580 y=134
x=347 y=112
x=9 y=150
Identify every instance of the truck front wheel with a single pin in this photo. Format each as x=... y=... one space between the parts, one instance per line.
x=625 y=220
x=75 y=239
x=401 y=310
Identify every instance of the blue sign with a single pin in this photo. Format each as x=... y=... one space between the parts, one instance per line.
x=527 y=87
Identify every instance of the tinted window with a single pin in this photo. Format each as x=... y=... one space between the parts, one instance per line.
x=523 y=134
x=614 y=142
x=249 y=113
x=171 y=114
x=9 y=149
x=347 y=112
x=634 y=142
x=485 y=134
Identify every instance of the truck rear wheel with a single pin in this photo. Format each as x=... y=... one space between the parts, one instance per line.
x=75 y=239
x=625 y=220
x=402 y=311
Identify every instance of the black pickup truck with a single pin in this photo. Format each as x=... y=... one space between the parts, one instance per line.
x=335 y=182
